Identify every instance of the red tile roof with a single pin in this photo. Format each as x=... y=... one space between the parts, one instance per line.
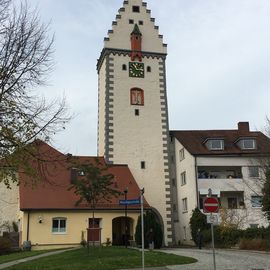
x=52 y=193
x=194 y=141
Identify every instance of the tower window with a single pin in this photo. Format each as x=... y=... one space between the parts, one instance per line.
x=140 y=22
x=148 y=69
x=136 y=97
x=124 y=67
x=137 y=112
x=136 y=9
x=142 y=164
x=131 y=21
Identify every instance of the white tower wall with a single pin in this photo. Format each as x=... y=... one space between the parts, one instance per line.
x=126 y=138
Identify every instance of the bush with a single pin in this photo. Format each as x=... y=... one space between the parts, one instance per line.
x=224 y=237
x=198 y=221
x=228 y=236
x=150 y=222
x=5 y=245
x=254 y=244
x=251 y=233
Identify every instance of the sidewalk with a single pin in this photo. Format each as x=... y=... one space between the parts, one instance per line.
x=9 y=264
x=152 y=268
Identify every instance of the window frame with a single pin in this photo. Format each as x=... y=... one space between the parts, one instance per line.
x=252 y=201
x=241 y=143
x=183 y=177
x=185 y=205
x=136 y=9
x=59 y=219
x=137 y=112
x=251 y=173
x=210 y=144
x=243 y=147
x=182 y=154
x=143 y=166
x=236 y=202
x=134 y=94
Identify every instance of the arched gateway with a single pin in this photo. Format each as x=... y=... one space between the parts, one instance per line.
x=122 y=230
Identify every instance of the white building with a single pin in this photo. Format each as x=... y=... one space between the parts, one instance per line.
x=228 y=162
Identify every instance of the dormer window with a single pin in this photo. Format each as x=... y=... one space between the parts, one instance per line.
x=215 y=144
x=247 y=144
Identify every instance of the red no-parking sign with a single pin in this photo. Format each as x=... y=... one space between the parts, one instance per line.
x=210 y=205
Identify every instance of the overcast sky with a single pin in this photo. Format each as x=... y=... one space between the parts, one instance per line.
x=218 y=65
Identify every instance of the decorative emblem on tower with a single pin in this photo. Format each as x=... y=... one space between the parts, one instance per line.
x=136 y=44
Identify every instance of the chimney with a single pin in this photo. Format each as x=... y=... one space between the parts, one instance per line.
x=243 y=126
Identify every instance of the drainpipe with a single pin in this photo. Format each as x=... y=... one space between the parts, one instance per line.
x=28 y=218
x=196 y=181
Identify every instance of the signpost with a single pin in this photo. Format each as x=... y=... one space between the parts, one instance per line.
x=132 y=202
x=142 y=225
x=126 y=202
x=211 y=205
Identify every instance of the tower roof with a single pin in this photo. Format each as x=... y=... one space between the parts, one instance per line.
x=136 y=30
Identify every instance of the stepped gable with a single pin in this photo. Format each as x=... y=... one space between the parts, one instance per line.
x=135 y=12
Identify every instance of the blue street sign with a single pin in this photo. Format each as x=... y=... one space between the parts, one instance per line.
x=129 y=202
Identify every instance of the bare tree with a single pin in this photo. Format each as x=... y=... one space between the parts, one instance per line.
x=266 y=185
x=25 y=62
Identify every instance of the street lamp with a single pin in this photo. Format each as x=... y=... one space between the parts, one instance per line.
x=126 y=191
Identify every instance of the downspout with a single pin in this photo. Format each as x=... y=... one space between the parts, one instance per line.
x=196 y=181
x=28 y=218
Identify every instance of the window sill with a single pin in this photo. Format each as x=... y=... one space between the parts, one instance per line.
x=59 y=233
x=184 y=212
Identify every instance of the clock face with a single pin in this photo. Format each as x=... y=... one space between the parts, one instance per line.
x=136 y=69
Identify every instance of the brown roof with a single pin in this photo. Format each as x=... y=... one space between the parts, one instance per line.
x=194 y=141
x=52 y=193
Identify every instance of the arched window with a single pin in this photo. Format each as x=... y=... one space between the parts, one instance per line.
x=136 y=96
x=124 y=67
x=148 y=69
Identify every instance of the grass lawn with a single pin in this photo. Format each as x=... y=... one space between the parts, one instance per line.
x=102 y=258
x=20 y=255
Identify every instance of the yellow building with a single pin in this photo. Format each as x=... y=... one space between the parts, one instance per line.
x=50 y=217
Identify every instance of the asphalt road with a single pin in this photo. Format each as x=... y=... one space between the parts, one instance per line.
x=225 y=260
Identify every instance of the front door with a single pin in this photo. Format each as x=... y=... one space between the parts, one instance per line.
x=94 y=230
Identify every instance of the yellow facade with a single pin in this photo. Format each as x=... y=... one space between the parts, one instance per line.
x=39 y=229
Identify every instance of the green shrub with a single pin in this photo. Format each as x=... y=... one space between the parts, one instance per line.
x=224 y=237
x=229 y=236
x=198 y=221
x=5 y=245
x=150 y=222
